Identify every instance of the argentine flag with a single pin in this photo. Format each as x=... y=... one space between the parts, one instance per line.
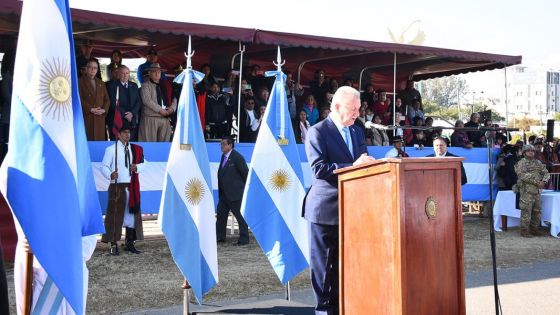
x=46 y=176
x=274 y=191
x=186 y=212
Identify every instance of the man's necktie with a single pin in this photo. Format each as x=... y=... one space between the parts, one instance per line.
x=347 y=139
x=126 y=156
x=224 y=161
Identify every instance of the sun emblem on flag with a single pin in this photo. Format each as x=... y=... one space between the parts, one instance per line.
x=280 y=180
x=194 y=191
x=55 y=93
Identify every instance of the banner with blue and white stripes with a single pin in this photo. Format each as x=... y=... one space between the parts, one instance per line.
x=151 y=180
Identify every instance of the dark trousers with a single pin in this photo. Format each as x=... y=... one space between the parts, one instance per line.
x=224 y=207
x=323 y=253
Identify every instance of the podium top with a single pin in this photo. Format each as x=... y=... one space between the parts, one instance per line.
x=407 y=160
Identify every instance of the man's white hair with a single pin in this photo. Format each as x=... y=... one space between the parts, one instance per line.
x=342 y=94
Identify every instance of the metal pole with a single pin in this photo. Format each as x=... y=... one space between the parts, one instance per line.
x=394 y=88
x=186 y=301
x=241 y=51
x=288 y=292
x=490 y=145
x=459 y=104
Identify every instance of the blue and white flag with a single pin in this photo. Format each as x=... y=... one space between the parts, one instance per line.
x=186 y=212
x=46 y=176
x=274 y=191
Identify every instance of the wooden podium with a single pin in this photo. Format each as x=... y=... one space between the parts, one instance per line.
x=401 y=237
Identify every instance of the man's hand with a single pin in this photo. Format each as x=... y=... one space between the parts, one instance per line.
x=26 y=246
x=364 y=158
x=541 y=184
x=128 y=116
x=169 y=111
x=114 y=175
x=163 y=112
x=133 y=167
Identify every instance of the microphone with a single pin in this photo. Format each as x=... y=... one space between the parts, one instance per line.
x=371 y=125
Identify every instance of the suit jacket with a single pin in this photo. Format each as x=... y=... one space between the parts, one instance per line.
x=247 y=134
x=232 y=177
x=463 y=173
x=148 y=95
x=129 y=100
x=91 y=98
x=326 y=152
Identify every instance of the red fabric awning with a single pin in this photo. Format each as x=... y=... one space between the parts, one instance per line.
x=340 y=58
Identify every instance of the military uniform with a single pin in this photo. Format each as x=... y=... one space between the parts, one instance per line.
x=530 y=172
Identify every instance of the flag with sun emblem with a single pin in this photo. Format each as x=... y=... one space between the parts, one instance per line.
x=274 y=190
x=186 y=213
x=46 y=176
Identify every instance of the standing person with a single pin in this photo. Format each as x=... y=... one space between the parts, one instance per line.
x=440 y=150
x=95 y=102
x=116 y=63
x=531 y=179
x=151 y=57
x=4 y=302
x=331 y=144
x=155 y=125
x=129 y=102
x=123 y=207
x=232 y=176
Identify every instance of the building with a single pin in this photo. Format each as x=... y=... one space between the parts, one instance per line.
x=532 y=92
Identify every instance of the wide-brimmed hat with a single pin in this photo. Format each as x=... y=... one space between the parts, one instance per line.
x=155 y=66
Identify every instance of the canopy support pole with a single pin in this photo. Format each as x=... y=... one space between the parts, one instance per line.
x=395 y=88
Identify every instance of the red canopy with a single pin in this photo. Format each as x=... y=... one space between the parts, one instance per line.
x=340 y=58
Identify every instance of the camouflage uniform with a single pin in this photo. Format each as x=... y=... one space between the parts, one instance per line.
x=529 y=173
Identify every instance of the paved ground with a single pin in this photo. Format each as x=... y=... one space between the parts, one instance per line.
x=532 y=289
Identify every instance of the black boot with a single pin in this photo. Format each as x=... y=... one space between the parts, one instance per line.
x=130 y=247
x=114 y=249
x=130 y=238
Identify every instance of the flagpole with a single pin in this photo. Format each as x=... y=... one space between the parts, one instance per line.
x=28 y=284
x=288 y=292
x=241 y=51
x=186 y=301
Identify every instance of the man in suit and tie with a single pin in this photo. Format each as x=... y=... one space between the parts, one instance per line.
x=128 y=103
x=232 y=176
x=333 y=143
x=440 y=150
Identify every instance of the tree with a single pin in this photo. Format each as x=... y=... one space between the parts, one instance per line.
x=523 y=123
x=444 y=91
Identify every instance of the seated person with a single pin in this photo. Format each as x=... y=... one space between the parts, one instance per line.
x=419 y=141
x=459 y=138
x=397 y=150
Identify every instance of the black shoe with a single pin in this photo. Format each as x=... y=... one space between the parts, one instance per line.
x=241 y=243
x=130 y=247
x=114 y=250
x=220 y=241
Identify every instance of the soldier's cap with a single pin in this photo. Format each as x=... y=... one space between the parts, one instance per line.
x=528 y=147
x=397 y=139
x=83 y=42
x=152 y=51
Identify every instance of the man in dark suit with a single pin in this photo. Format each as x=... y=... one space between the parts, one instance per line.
x=333 y=143
x=129 y=102
x=232 y=176
x=440 y=149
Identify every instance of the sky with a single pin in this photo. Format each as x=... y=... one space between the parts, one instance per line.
x=514 y=27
